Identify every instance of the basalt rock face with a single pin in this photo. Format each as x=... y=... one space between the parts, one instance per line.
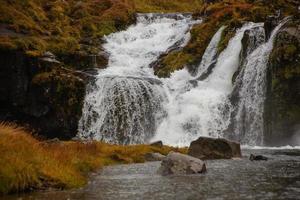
x=38 y=92
x=282 y=112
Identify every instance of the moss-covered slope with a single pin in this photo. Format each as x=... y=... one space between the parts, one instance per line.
x=63 y=27
x=228 y=12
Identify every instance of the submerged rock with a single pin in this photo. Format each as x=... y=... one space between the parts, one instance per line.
x=257 y=157
x=154 y=157
x=177 y=163
x=214 y=148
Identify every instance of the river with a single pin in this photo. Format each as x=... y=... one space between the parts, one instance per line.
x=277 y=178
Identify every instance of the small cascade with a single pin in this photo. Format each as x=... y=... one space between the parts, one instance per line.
x=209 y=57
x=248 y=121
x=124 y=104
x=128 y=111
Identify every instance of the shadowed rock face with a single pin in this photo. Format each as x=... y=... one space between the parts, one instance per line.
x=179 y=164
x=282 y=112
x=211 y=148
x=40 y=93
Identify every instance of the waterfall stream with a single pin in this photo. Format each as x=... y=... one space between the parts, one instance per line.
x=128 y=104
x=203 y=110
x=251 y=85
x=125 y=103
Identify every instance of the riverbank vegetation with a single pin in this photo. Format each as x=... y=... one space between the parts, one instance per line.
x=29 y=164
x=72 y=27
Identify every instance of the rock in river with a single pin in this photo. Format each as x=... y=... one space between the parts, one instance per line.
x=257 y=157
x=214 y=148
x=179 y=164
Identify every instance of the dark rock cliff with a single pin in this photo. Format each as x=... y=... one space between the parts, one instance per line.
x=282 y=114
x=40 y=93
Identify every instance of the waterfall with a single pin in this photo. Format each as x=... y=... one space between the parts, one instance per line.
x=124 y=104
x=209 y=57
x=248 y=118
x=128 y=104
x=203 y=110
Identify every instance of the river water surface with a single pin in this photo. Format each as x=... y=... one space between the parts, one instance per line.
x=277 y=178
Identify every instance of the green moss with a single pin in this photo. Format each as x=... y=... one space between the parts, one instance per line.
x=59 y=26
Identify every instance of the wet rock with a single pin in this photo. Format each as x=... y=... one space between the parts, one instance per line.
x=83 y=60
x=179 y=164
x=214 y=148
x=40 y=94
x=270 y=23
x=257 y=157
x=157 y=144
x=282 y=110
x=154 y=157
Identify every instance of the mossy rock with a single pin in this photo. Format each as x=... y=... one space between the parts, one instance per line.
x=282 y=107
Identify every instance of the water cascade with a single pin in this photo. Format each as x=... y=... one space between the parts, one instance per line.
x=248 y=120
x=203 y=110
x=124 y=103
x=128 y=104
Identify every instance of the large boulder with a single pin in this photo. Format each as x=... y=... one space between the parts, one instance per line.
x=154 y=157
x=214 y=148
x=180 y=164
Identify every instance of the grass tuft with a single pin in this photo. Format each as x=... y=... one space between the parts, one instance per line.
x=29 y=164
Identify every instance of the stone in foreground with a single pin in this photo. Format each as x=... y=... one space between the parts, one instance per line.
x=214 y=148
x=180 y=164
x=154 y=157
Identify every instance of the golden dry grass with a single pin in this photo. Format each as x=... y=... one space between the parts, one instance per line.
x=167 y=6
x=27 y=163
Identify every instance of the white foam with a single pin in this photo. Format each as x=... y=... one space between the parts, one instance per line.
x=287 y=147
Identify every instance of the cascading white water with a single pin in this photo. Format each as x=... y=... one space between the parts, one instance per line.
x=128 y=104
x=124 y=104
x=249 y=120
x=203 y=110
x=210 y=55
